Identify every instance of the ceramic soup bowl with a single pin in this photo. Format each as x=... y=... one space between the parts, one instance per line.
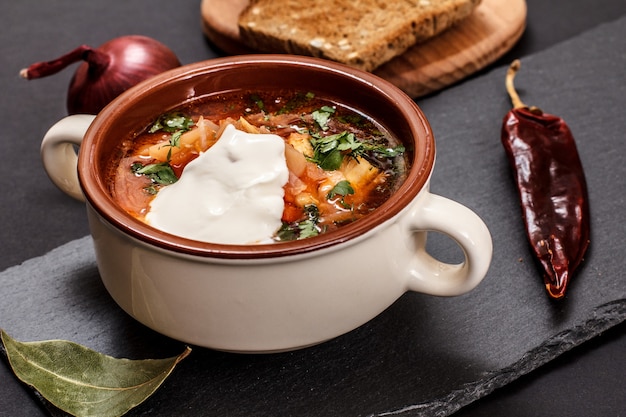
x=266 y=297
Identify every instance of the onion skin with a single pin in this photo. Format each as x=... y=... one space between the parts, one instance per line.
x=108 y=70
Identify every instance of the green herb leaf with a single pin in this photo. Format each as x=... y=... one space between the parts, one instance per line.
x=301 y=229
x=329 y=161
x=151 y=189
x=286 y=233
x=161 y=173
x=347 y=141
x=175 y=139
x=328 y=151
x=342 y=188
x=308 y=228
x=83 y=382
x=258 y=101
x=322 y=116
x=172 y=122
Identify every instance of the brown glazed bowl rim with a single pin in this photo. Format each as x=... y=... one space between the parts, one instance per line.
x=94 y=182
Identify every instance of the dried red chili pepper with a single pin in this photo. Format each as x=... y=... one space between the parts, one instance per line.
x=551 y=185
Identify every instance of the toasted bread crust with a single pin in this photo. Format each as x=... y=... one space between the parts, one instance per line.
x=361 y=33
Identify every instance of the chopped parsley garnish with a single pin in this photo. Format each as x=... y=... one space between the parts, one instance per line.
x=342 y=188
x=172 y=123
x=322 y=116
x=301 y=229
x=328 y=151
x=161 y=173
x=258 y=101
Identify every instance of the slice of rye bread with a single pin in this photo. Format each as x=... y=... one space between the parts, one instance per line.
x=361 y=33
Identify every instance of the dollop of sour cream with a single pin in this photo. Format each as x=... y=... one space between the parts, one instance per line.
x=231 y=194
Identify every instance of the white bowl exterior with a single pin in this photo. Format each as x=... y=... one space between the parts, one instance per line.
x=260 y=305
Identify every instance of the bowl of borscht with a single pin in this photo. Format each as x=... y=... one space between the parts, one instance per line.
x=263 y=203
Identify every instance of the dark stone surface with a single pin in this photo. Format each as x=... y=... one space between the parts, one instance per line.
x=424 y=355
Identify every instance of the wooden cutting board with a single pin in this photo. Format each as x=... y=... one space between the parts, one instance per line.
x=476 y=42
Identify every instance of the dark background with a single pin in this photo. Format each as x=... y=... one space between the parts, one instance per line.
x=587 y=381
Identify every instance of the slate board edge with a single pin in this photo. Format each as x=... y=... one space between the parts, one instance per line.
x=602 y=319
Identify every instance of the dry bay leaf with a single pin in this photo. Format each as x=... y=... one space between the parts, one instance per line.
x=83 y=382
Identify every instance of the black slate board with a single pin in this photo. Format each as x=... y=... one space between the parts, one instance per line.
x=424 y=355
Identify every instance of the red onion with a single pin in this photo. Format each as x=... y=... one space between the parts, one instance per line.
x=108 y=70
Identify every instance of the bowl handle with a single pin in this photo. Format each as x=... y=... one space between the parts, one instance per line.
x=431 y=276
x=58 y=152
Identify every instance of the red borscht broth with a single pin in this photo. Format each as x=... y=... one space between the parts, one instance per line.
x=342 y=164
